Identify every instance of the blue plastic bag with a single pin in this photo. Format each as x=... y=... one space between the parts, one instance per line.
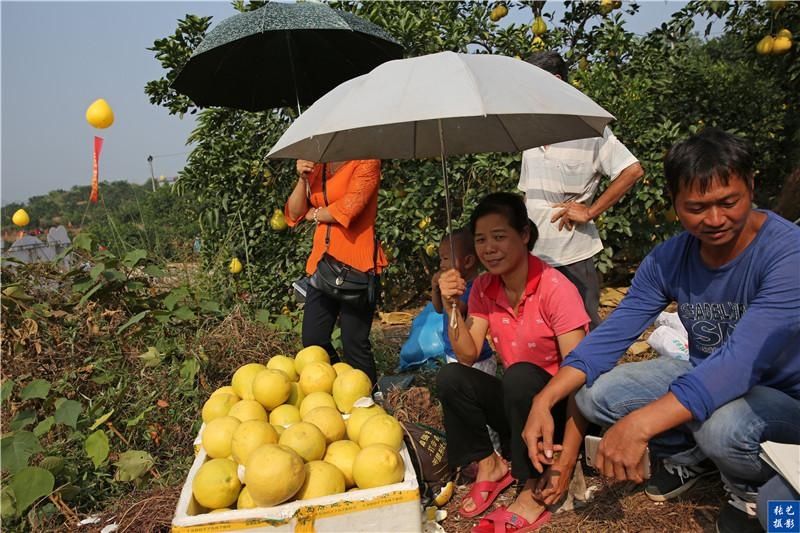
x=425 y=340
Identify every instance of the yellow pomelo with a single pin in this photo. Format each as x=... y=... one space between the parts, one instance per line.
x=329 y=421
x=322 y=479
x=306 y=439
x=341 y=368
x=271 y=388
x=378 y=465
x=235 y=266
x=284 y=415
x=217 y=406
x=342 y=454
x=308 y=355
x=316 y=399
x=349 y=387
x=227 y=389
x=221 y=510
x=218 y=435
x=296 y=395
x=246 y=410
x=249 y=436
x=273 y=474
x=243 y=380
x=245 y=501
x=284 y=363
x=381 y=429
x=216 y=484
x=358 y=416
x=317 y=376
x=21 y=218
x=99 y=114
x=278 y=429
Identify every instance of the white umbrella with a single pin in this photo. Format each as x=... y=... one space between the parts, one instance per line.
x=441 y=105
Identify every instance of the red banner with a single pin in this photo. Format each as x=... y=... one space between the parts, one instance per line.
x=98 y=147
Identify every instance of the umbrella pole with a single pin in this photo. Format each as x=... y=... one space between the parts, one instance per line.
x=294 y=74
x=453 y=318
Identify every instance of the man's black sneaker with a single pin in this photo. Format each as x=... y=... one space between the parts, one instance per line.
x=670 y=480
x=738 y=516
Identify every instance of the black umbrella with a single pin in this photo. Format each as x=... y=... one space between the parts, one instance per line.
x=282 y=55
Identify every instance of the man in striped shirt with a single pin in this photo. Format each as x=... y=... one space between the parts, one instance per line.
x=560 y=182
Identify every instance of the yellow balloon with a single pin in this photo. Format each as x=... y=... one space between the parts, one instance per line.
x=99 y=114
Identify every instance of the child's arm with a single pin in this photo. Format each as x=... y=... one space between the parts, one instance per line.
x=467 y=338
x=436 y=295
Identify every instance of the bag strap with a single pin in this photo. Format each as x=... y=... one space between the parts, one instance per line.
x=328 y=231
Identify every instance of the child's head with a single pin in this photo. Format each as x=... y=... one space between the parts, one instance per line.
x=466 y=262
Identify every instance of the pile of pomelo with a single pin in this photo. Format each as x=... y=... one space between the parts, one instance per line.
x=294 y=429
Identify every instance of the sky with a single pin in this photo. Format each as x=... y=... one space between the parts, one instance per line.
x=58 y=57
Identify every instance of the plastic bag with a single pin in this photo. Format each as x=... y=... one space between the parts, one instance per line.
x=670 y=337
x=424 y=341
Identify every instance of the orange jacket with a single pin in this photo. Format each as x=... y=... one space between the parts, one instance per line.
x=353 y=203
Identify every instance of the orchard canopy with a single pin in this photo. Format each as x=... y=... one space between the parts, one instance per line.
x=662 y=87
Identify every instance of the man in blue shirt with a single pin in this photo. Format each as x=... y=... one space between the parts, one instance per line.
x=735 y=275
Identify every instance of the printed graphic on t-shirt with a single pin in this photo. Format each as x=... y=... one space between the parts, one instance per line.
x=710 y=324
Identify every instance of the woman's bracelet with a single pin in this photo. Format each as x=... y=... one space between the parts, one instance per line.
x=315 y=216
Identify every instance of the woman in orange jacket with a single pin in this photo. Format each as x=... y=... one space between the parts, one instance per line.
x=344 y=213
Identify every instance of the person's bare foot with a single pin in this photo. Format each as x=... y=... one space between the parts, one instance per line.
x=491 y=468
x=525 y=505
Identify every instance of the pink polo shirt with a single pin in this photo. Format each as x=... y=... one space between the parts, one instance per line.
x=551 y=306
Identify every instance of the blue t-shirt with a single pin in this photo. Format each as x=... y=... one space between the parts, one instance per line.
x=486 y=351
x=743 y=319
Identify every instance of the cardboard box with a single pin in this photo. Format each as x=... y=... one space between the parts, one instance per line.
x=393 y=508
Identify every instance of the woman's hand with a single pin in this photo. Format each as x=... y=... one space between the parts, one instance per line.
x=451 y=286
x=554 y=483
x=304 y=168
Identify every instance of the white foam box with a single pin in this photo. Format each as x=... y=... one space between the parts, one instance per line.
x=393 y=508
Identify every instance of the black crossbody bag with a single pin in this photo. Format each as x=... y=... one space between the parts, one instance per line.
x=340 y=280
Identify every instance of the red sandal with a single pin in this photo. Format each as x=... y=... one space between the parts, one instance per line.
x=494 y=488
x=501 y=520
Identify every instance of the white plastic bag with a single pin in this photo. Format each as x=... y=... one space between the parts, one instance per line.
x=667 y=341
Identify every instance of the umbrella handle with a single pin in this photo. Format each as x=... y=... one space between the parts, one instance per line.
x=453 y=317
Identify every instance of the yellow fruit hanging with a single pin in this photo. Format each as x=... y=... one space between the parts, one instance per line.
x=539 y=26
x=99 y=114
x=21 y=218
x=781 y=45
x=765 y=45
x=236 y=266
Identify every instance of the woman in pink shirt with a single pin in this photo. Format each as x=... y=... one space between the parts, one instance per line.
x=535 y=316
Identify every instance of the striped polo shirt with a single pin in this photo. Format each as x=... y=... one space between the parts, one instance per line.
x=569 y=171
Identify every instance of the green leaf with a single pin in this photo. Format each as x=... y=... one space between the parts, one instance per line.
x=96 y=447
x=8 y=507
x=67 y=413
x=44 y=426
x=83 y=241
x=38 y=388
x=6 y=389
x=175 y=296
x=189 y=369
x=15 y=449
x=152 y=357
x=101 y=419
x=96 y=270
x=133 y=257
x=132 y=285
x=23 y=419
x=135 y=319
x=30 y=484
x=262 y=315
x=154 y=271
x=89 y=294
x=138 y=418
x=184 y=313
x=210 y=306
x=132 y=464
x=53 y=464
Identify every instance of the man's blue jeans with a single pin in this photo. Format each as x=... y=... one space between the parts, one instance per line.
x=730 y=437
